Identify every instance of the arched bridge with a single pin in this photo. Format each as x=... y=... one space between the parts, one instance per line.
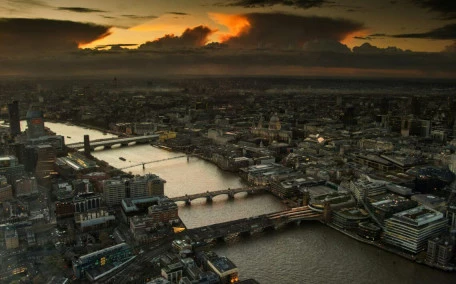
x=252 y=225
x=211 y=194
x=108 y=143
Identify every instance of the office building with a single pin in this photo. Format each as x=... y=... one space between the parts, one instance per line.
x=11 y=169
x=64 y=209
x=439 y=250
x=225 y=269
x=26 y=186
x=384 y=206
x=35 y=122
x=92 y=220
x=11 y=238
x=46 y=156
x=114 y=190
x=411 y=229
x=349 y=218
x=86 y=201
x=164 y=213
x=172 y=272
x=367 y=187
x=14 y=118
x=138 y=206
x=6 y=191
x=451 y=211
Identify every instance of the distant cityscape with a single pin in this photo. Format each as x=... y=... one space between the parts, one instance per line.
x=372 y=160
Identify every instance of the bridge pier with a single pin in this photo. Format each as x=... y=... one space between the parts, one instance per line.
x=230 y=195
x=188 y=202
x=209 y=198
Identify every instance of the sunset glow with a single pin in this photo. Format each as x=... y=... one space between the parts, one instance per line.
x=236 y=24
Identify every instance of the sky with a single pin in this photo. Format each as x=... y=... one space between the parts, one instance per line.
x=355 y=38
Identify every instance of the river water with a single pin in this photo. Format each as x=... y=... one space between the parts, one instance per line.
x=309 y=253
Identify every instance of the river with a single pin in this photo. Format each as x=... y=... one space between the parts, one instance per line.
x=309 y=253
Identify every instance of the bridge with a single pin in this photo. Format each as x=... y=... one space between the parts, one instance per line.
x=248 y=226
x=150 y=162
x=211 y=194
x=108 y=143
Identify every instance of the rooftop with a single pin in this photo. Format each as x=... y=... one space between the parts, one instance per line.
x=223 y=264
x=419 y=216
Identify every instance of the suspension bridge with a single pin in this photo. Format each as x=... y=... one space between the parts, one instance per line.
x=150 y=162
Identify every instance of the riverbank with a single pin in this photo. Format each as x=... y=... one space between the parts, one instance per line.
x=392 y=250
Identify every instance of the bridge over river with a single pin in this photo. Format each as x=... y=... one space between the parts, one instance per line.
x=211 y=194
x=252 y=225
x=108 y=143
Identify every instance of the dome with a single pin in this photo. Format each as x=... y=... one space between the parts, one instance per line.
x=274 y=118
x=274 y=122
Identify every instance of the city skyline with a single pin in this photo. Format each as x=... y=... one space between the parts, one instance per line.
x=407 y=38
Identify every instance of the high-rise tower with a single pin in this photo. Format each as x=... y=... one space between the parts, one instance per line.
x=14 y=118
x=35 y=122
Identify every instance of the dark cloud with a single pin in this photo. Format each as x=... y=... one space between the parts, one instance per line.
x=37 y=36
x=79 y=9
x=367 y=48
x=363 y=37
x=204 y=61
x=115 y=46
x=284 y=30
x=178 y=13
x=139 y=17
x=377 y=35
x=194 y=37
x=445 y=32
x=447 y=8
x=325 y=45
x=304 y=4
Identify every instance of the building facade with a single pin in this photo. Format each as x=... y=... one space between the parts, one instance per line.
x=411 y=229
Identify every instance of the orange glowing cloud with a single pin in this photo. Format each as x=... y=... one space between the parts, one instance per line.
x=236 y=24
x=350 y=38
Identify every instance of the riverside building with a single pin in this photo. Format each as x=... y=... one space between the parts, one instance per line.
x=411 y=229
x=114 y=190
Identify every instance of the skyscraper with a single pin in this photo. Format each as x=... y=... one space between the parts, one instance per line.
x=35 y=122
x=14 y=118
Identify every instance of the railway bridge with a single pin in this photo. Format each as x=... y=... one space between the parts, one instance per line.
x=253 y=225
